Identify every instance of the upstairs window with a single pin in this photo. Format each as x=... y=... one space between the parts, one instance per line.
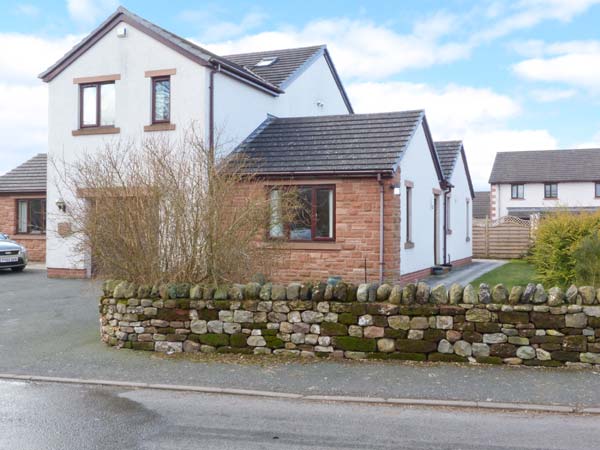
x=313 y=218
x=517 y=191
x=550 y=190
x=31 y=216
x=97 y=105
x=161 y=99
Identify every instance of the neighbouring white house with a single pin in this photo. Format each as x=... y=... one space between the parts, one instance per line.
x=381 y=203
x=129 y=78
x=525 y=183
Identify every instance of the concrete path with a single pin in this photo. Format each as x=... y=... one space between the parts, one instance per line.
x=54 y=416
x=465 y=274
x=50 y=328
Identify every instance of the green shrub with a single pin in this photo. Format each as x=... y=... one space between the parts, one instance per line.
x=587 y=261
x=557 y=238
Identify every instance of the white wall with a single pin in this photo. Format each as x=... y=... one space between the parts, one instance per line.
x=240 y=109
x=130 y=57
x=417 y=166
x=458 y=247
x=571 y=194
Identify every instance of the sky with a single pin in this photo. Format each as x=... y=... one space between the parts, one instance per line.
x=500 y=75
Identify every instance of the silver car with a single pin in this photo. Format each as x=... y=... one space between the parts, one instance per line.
x=12 y=254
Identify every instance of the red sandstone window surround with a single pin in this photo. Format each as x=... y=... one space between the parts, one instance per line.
x=314 y=219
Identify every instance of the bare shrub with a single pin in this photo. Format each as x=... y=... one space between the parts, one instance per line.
x=167 y=211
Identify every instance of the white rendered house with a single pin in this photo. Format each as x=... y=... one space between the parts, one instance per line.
x=535 y=182
x=130 y=77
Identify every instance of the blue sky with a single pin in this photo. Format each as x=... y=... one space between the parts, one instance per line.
x=500 y=75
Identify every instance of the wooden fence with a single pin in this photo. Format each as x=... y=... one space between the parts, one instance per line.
x=505 y=238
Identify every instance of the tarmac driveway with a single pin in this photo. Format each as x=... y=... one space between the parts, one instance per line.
x=50 y=328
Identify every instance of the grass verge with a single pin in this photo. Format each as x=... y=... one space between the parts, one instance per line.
x=516 y=272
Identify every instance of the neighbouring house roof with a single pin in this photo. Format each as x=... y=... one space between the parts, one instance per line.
x=357 y=143
x=546 y=166
x=28 y=177
x=448 y=153
x=270 y=78
x=481 y=205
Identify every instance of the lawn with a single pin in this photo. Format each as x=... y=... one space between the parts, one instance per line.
x=517 y=272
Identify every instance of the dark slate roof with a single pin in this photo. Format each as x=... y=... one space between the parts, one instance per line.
x=288 y=62
x=546 y=166
x=330 y=144
x=448 y=152
x=481 y=205
x=28 y=177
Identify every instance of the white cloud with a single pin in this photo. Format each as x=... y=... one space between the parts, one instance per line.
x=25 y=9
x=526 y=14
x=24 y=106
x=23 y=123
x=361 y=48
x=580 y=69
x=552 y=95
x=24 y=56
x=87 y=12
x=478 y=116
x=215 y=30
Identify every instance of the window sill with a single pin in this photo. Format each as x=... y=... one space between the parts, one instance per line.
x=308 y=245
x=409 y=244
x=517 y=198
x=95 y=130
x=25 y=237
x=160 y=127
x=550 y=198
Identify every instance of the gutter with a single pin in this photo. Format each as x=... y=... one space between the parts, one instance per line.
x=381 y=228
x=238 y=74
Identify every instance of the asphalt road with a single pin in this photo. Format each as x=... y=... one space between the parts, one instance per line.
x=54 y=416
x=50 y=328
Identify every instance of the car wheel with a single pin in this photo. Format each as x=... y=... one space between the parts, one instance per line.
x=17 y=269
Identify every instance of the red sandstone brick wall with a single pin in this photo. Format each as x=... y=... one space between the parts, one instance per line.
x=35 y=244
x=357 y=237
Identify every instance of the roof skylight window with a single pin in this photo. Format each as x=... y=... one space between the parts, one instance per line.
x=265 y=62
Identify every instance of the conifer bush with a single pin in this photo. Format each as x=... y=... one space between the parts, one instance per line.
x=563 y=247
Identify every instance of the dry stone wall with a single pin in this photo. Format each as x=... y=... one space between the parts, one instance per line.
x=527 y=325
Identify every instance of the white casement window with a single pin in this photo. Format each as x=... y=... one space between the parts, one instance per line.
x=97 y=104
x=468 y=218
x=550 y=190
x=517 y=191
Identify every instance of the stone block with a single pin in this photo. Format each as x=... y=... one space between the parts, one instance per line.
x=411 y=346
